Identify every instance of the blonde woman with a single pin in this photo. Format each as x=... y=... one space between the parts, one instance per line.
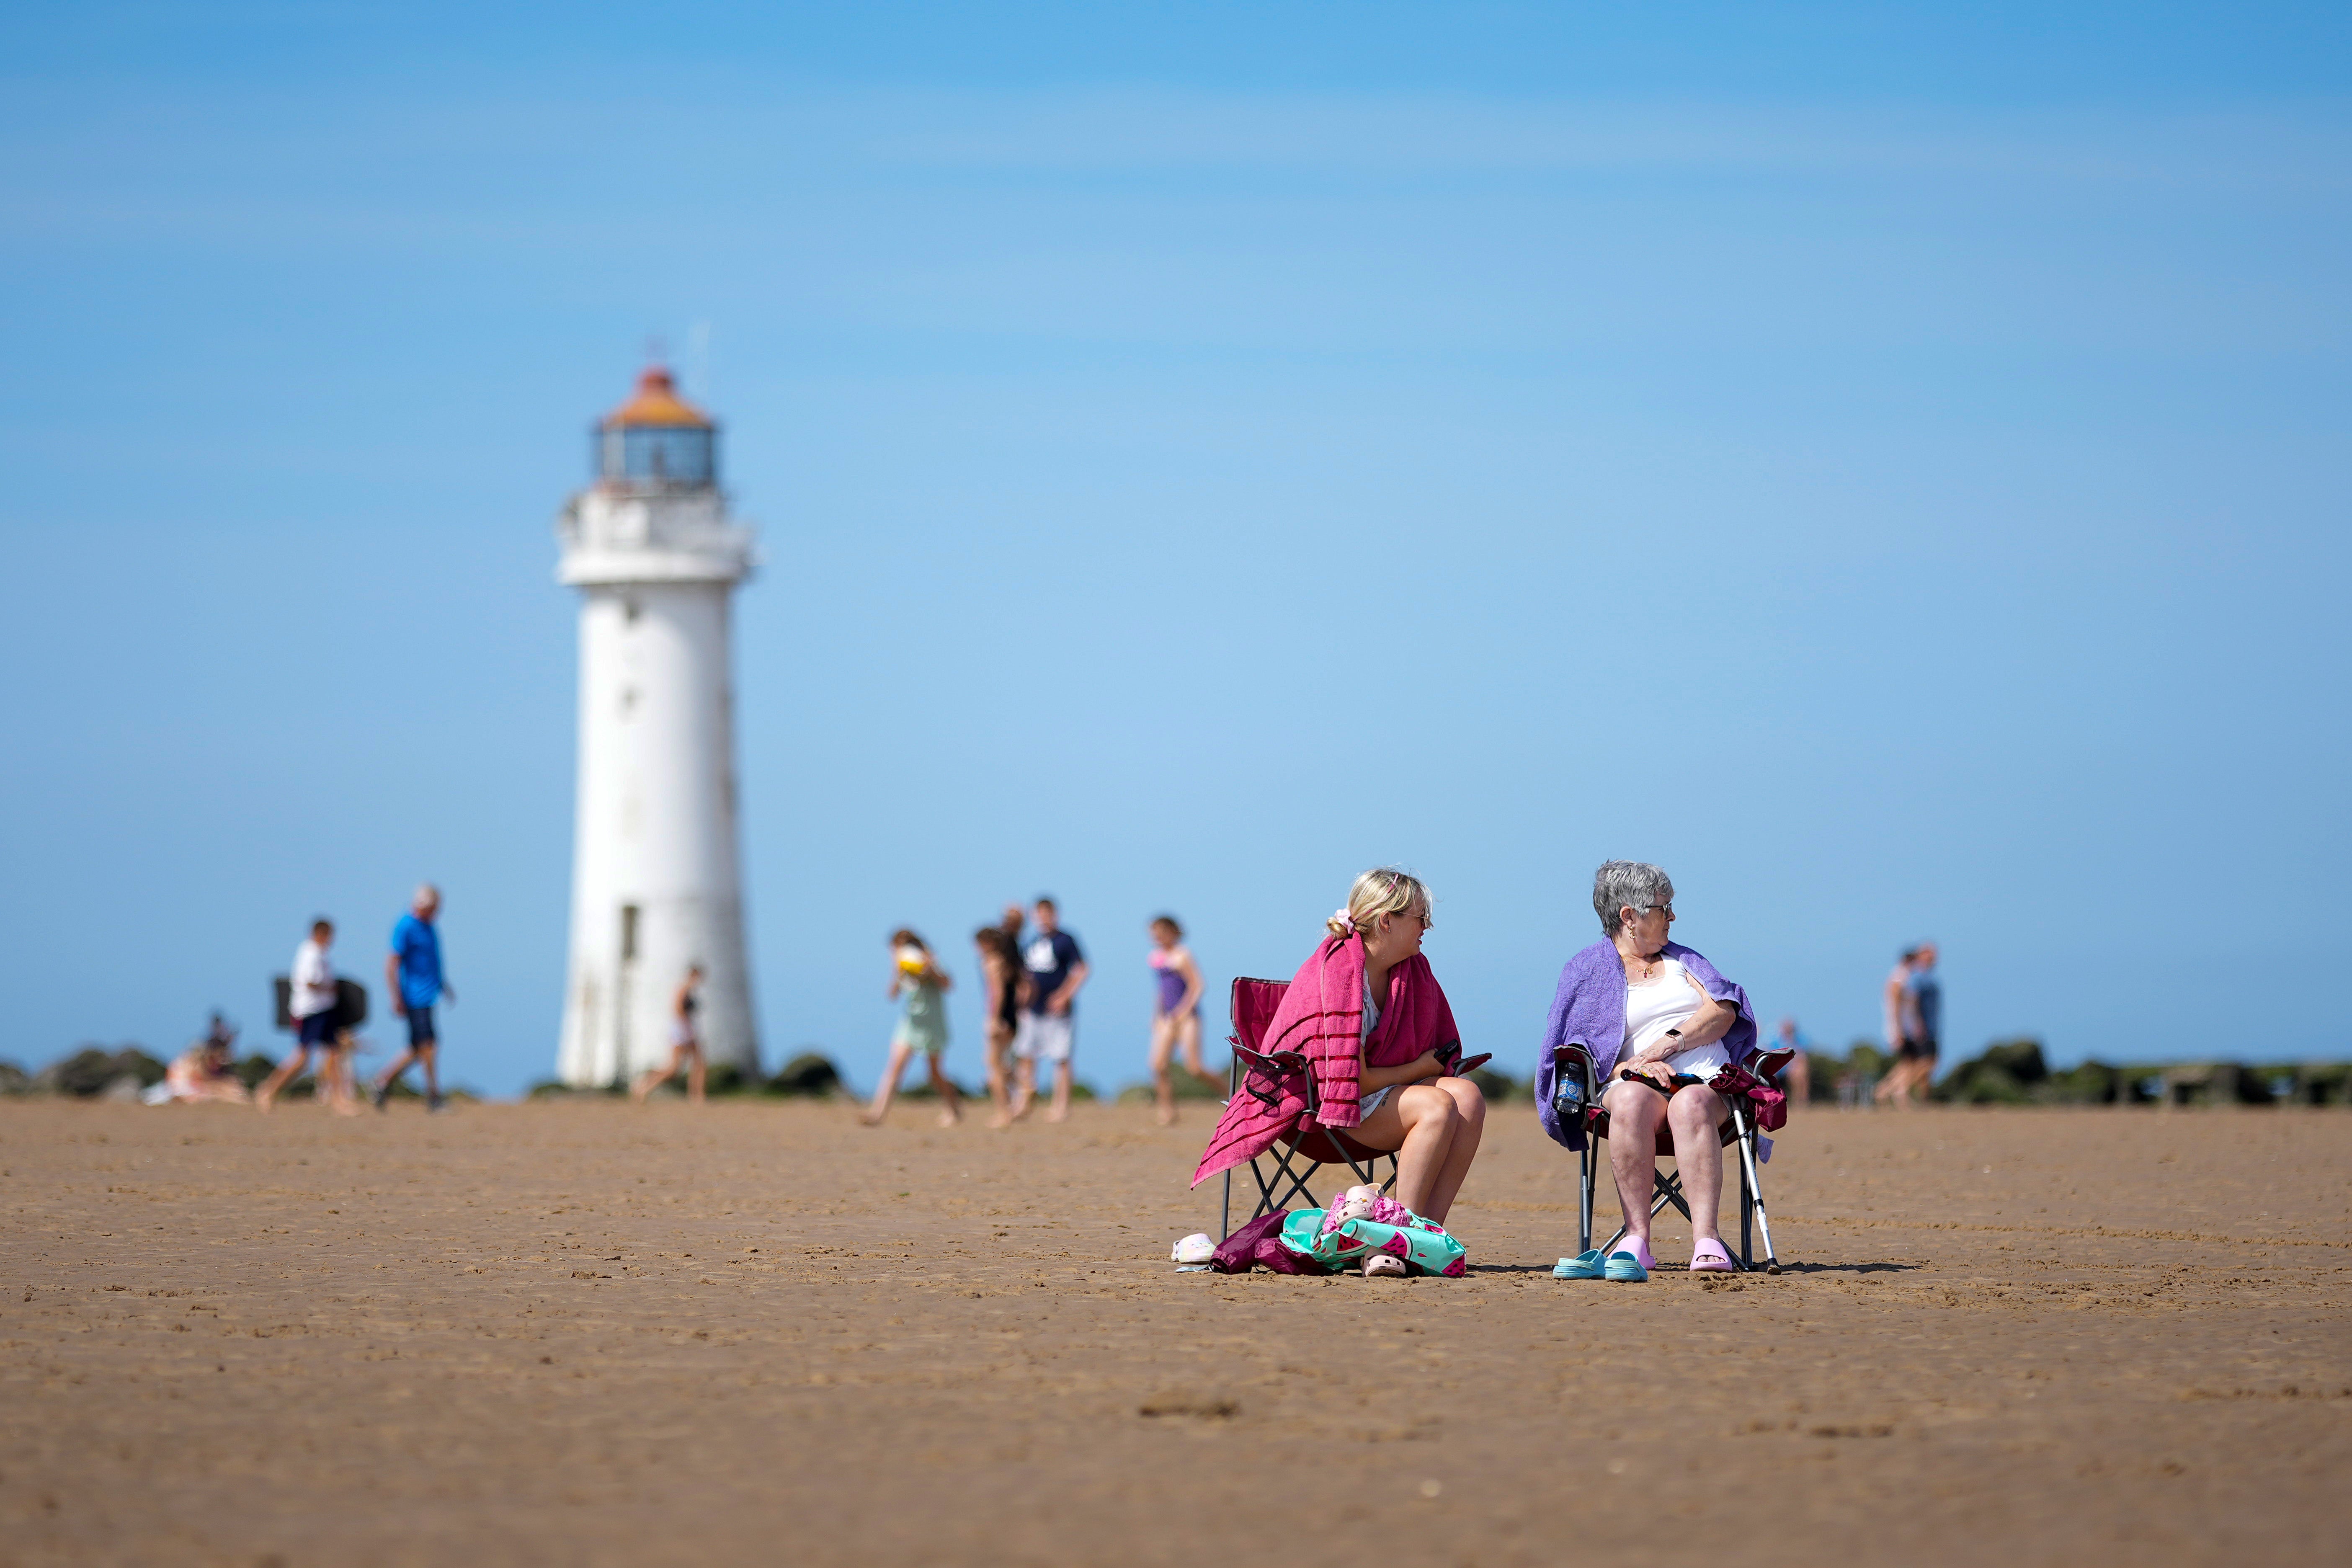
x=1374 y=1024
x=1175 y=1013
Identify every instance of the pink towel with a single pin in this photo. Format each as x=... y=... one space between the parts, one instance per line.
x=1322 y=1017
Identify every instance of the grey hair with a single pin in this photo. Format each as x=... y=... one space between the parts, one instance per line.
x=1622 y=883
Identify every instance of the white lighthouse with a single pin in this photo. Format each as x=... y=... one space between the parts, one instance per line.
x=657 y=882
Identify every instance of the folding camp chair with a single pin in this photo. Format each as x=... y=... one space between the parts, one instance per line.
x=1578 y=1095
x=1268 y=1075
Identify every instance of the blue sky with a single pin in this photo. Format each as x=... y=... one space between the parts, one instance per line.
x=1887 y=466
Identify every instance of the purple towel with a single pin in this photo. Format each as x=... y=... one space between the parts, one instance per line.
x=1589 y=1010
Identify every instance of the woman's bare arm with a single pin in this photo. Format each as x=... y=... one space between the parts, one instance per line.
x=1372 y=1079
x=1704 y=1027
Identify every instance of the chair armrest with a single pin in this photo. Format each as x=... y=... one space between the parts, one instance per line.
x=1278 y=1067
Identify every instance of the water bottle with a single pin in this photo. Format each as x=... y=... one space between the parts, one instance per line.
x=1568 y=1099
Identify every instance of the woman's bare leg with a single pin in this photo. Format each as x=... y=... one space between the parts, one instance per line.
x=1163 y=1046
x=888 y=1089
x=1000 y=1039
x=653 y=1079
x=945 y=1084
x=340 y=1070
x=696 y=1070
x=1025 y=1087
x=1420 y=1122
x=287 y=1071
x=1695 y=1114
x=1470 y=1108
x=1187 y=1043
x=1636 y=1111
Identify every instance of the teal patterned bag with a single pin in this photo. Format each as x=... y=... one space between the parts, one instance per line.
x=1424 y=1245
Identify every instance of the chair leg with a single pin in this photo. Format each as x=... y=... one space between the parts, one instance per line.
x=1747 y=1194
x=1586 y=1158
x=1296 y=1178
x=1670 y=1191
x=1664 y=1190
x=1750 y=1180
x=1265 y=1203
x=1225 y=1211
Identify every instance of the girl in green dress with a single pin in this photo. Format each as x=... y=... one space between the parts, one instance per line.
x=916 y=977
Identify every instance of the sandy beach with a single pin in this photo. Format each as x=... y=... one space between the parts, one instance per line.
x=566 y=1332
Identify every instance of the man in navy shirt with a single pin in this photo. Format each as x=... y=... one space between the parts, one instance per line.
x=412 y=973
x=1047 y=1029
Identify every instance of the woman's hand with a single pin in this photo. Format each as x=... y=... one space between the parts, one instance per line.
x=1651 y=1070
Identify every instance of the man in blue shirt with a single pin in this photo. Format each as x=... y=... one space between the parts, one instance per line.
x=412 y=973
x=1047 y=1030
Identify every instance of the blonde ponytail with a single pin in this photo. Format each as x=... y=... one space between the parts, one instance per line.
x=1383 y=891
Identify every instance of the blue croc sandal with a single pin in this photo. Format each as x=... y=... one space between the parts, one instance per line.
x=1583 y=1266
x=1626 y=1268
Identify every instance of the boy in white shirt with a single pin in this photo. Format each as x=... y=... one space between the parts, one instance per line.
x=311 y=1003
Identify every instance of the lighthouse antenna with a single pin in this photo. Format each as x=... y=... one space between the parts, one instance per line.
x=698 y=357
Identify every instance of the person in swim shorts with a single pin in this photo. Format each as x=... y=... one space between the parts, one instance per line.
x=1057 y=968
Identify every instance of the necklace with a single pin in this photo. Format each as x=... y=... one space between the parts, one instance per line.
x=1649 y=966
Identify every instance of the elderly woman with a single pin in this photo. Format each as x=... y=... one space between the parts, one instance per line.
x=1659 y=1022
x=1368 y=1015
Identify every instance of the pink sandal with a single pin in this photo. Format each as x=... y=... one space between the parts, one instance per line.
x=1710 y=1257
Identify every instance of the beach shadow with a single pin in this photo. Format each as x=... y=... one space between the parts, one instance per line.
x=1850 y=1268
x=1786 y=1268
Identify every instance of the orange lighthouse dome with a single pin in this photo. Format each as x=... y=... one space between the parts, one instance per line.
x=658 y=403
x=657 y=441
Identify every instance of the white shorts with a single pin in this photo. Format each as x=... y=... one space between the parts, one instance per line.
x=1045 y=1037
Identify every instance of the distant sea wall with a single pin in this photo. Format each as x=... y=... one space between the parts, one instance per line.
x=2016 y=1072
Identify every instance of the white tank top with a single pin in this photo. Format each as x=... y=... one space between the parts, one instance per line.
x=1667 y=1001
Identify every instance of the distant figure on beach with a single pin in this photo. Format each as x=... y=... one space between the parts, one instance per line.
x=1002 y=978
x=205 y=1070
x=1048 y=1026
x=412 y=975
x=1915 y=1009
x=916 y=977
x=311 y=1002
x=685 y=1044
x=1796 y=1081
x=1175 y=1013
